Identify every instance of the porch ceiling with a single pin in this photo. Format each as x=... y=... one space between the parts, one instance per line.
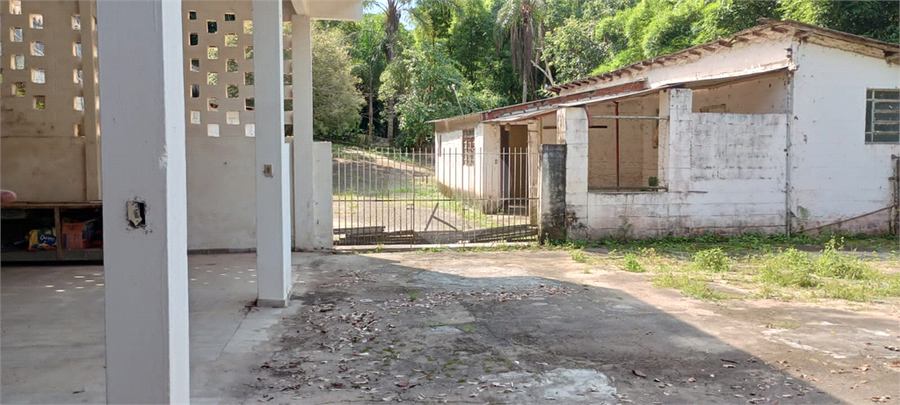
x=341 y=10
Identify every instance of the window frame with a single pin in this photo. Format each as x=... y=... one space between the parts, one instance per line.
x=468 y=147
x=870 y=122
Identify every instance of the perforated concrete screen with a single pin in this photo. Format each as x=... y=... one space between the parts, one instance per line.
x=49 y=89
x=50 y=119
x=218 y=68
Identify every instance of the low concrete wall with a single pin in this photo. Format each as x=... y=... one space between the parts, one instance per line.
x=725 y=173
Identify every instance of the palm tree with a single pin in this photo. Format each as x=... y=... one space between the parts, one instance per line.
x=523 y=19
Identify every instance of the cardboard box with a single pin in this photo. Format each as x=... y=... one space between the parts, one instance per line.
x=77 y=235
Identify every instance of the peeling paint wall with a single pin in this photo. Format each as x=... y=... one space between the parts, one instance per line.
x=835 y=175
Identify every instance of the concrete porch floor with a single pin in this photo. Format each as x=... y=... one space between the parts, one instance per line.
x=52 y=340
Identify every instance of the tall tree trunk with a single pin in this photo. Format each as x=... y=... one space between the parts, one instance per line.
x=524 y=88
x=390 y=120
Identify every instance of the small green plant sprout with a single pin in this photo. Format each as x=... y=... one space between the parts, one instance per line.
x=413 y=295
x=578 y=256
x=631 y=264
x=713 y=260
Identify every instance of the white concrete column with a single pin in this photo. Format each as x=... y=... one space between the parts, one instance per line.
x=572 y=130
x=675 y=139
x=92 y=168
x=324 y=210
x=273 y=215
x=305 y=221
x=144 y=203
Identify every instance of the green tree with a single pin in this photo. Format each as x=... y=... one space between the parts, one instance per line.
x=873 y=19
x=428 y=85
x=522 y=20
x=336 y=101
x=368 y=56
x=574 y=49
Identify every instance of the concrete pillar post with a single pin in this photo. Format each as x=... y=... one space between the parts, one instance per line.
x=553 y=193
x=304 y=198
x=675 y=139
x=144 y=200
x=323 y=212
x=273 y=215
x=533 y=167
x=92 y=168
x=572 y=130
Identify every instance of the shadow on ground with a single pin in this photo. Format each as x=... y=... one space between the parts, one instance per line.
x=371 y=330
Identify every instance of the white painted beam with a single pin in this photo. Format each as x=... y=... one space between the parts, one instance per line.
x=343 y=10
x=143 y=159
x=304 y=213
x=273 y=205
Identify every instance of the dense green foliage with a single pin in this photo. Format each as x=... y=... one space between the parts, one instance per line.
x=419 y=60
x=336 y=101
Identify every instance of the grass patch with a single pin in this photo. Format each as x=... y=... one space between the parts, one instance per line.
x=769 y=272
x=714 y=260
x=689 y=284
x=578 y=256
x=830 y=274
x=752 y=242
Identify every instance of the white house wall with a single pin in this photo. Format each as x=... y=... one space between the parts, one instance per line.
x=221 y=161
x=450 y=172
x=834 y=174
x=482 y=179
x=764 y=94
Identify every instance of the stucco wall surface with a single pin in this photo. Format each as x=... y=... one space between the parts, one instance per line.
x=732 y=170
x=835 y=174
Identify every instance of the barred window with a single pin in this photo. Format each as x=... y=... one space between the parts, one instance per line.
x=468 y=141
x=883 y=116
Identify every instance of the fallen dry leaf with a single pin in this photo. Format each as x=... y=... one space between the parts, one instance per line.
x=639 y=373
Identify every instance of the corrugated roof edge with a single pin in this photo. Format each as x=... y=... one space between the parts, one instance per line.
x=890 y=50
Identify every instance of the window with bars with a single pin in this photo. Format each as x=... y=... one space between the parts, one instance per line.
x=468 y=142
x=882 y=116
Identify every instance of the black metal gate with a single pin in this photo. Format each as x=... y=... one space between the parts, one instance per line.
x=415 y=197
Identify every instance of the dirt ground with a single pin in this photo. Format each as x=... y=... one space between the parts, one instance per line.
x=531 y=327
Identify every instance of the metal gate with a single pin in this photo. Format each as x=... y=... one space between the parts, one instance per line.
x=390 y=196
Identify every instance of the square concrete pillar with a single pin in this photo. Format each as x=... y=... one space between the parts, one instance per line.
x=572 y=130
x=305 y=199
x=273 y=205
x=144 y=201
x=675 y=139
x=553 y=193
x=323 y=211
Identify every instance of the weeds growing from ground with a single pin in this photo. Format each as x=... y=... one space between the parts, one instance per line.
x=767 y=271
x=631 y=263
